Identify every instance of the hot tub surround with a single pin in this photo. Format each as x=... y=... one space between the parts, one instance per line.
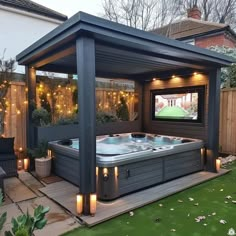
x=130 y=162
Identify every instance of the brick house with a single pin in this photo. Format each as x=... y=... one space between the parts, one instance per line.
x=200 y=33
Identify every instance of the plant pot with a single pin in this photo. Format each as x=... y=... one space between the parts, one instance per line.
x=43 y=166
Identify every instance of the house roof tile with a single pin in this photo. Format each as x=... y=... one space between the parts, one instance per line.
x=30 y=6
x=189 y=27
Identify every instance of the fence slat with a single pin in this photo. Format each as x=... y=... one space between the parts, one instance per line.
x=15 y=120
x=228 y=121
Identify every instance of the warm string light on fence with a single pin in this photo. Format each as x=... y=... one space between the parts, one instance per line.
x=60 y=94
x=17 y=106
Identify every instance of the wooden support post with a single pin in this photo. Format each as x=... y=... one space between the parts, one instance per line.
x=31 y=98
x=212 y=146
x=85 y=53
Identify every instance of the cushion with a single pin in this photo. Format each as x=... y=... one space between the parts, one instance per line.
x=6 y=145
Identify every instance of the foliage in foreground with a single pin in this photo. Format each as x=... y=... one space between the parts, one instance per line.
x=3 y=216
x=24 y=225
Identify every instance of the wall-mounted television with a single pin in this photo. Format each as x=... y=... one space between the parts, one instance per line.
x=179 y=104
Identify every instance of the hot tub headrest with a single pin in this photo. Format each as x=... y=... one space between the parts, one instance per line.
x=138 y=135
x=186 y=141
x=65 y=142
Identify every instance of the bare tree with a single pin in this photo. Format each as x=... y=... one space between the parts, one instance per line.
x=150 y=14
x=142 y=14
x=207 y=7
x=224 y=11
x=212 y=10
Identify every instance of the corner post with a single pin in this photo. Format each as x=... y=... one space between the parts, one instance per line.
x=212 y=146
x=85 y=54
x=31 y=99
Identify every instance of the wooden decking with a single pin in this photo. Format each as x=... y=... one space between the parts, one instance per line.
x=64 y=193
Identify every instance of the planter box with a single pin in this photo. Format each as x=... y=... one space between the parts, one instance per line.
x=57 y=132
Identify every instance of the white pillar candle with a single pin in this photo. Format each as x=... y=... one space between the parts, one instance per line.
x=218 y=164
x=26 y=164
x=93 y=204
x=79 y=204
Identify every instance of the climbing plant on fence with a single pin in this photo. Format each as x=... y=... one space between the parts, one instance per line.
x=228 y=74
x=6 y=69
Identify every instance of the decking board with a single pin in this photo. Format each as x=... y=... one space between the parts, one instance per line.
x=64 y=193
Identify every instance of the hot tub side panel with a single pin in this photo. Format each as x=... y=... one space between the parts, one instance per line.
x=131 y=177
x=66 y=163
x=142 y=174
x=182 y=164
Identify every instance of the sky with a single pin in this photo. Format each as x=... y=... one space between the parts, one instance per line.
x=70 y=7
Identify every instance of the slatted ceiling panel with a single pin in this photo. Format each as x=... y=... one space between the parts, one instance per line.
x=118 y=60
x=134 y=63
x=130 y=61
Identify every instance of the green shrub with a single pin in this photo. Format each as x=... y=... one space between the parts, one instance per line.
x=41 y=117
x=122 y=110
x=40 y=151
x=46 y=105
x=66 y=120
x=105 y=117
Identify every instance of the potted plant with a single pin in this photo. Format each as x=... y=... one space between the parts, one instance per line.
x=42 y=160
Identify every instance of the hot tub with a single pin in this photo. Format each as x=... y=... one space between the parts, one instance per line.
x=130 y=162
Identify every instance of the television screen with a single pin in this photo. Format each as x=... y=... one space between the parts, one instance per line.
x=179 y=105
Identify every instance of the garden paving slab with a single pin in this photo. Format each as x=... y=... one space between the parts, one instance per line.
x=56 y=213
x=17 y=191
x=31 y=182
x=58 y=228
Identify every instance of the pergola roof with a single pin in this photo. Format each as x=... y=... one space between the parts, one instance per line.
x=121 y=51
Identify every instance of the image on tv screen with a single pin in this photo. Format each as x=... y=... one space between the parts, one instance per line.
x=182 y=106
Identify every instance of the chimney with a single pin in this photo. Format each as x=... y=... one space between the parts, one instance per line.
x=194 y=13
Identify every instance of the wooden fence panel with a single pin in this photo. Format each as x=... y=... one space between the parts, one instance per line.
x=15 y=119
x=227 y=140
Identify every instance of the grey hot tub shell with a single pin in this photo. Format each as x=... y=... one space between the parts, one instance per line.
x=121 y=174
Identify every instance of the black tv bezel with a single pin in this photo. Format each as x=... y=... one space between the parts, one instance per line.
x=196 y=89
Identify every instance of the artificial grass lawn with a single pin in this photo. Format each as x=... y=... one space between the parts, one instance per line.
x=172 y=111
x=209 y=201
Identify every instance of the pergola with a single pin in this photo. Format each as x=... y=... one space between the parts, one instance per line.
x=90 y=46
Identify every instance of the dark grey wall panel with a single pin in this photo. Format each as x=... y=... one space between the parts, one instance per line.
x=180 y=129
